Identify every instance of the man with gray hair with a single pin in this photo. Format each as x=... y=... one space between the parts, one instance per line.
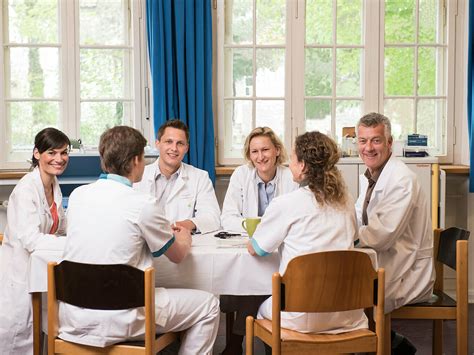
x=393 y=217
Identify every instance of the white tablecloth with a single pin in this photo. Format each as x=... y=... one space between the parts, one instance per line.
x=213 y=265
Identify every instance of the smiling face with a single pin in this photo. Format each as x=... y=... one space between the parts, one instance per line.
x=374 y=146
x=172 y=146
x=53 y=161
x=263 y=155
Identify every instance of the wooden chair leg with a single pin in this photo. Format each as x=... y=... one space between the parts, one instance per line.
x=249 y=335
x=437 y=337
x=229 y=325
x=387 y=334
x=36 y=305
x=462 y=334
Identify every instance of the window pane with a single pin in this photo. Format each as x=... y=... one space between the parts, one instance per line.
x=348 y=113
x=400 y=21
x=271 y=21
x=96 y=117
x=319 y=19
x=348 y=72
x=103 y=73
x=270 y=78
x=431 y=27
x=33 y=21
x=399 y=71
x=318 y=116
x=318 y=72
x=238 y=22
x=349 y=19
x=103 y=22
x=238 y=72
x=34 y=72
x=271 y=113
x=239 y=113
x=431 y=121
x=28 y=118
x=431 y=66
x=401 y=115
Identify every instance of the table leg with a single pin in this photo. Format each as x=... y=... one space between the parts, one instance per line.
x=36 y=302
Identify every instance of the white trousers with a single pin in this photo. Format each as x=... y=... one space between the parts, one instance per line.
x=330 y=323
x=197 y=312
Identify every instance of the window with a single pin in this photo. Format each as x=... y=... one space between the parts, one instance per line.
x=320 y=64
x=74 y=65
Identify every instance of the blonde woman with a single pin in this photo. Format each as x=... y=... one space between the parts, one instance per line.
x=319 y=216
x=251 y=189
x=252 y=186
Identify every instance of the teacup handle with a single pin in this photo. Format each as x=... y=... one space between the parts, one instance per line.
x=244 y=226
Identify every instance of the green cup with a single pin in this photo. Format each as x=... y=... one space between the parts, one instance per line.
x=250 y=224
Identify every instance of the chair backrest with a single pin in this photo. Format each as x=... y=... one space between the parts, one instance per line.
x=105 y=287
x=329 y=281
x=447 y=245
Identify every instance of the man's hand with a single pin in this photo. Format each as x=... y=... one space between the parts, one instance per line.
x=188 y=224
x=181 y=246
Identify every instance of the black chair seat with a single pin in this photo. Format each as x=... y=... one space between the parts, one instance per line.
x=438 y=299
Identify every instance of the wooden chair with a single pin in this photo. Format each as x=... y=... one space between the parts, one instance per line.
x=89 y=286
x=451 y=248
x=330 y=281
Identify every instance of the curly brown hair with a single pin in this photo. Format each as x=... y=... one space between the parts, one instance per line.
x=320 y=155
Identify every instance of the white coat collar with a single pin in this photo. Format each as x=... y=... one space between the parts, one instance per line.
x=39 y=186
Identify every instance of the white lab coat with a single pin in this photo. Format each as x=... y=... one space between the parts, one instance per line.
x=400 y=231
x=296 y=224
x=241 y=198
x=192 y=197
x=110 y=223
x=29 y=222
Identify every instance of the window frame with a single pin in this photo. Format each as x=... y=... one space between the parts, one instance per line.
x=373 y=80
x=69 y=74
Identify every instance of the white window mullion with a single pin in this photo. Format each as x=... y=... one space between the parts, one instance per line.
x=139 y=62
x=334 y=70
x=381 y=58
x=3 y=122
x=372 y=57
x=296 y=50
x=68 y=74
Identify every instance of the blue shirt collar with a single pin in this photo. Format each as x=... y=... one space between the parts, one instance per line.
x=118 y=178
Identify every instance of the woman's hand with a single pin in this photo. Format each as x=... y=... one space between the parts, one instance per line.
x=250 y=248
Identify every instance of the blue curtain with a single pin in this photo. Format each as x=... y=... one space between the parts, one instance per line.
x=180 y=48
x=470 y=92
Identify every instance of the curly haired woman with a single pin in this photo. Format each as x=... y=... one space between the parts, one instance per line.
x=319 y=216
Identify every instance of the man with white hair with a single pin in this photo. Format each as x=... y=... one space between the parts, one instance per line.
x=393 y=218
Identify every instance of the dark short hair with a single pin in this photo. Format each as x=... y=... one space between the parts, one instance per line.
x=118 y=146
x=174 y=123
x=49 y=138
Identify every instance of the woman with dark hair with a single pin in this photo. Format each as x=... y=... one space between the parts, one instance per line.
x=319 y=216
x=34 y=216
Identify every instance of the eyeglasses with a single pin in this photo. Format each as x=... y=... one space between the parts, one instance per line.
x=225 y=235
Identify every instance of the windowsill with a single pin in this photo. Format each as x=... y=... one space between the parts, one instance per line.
x=455 y=169
x=227 y=170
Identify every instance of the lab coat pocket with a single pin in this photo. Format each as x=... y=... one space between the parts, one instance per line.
x=186 y=206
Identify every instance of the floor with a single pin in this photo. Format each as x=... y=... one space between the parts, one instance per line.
x=418 y=331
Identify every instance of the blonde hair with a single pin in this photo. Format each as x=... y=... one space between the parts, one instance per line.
x=320 y=155
x=266 y=132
